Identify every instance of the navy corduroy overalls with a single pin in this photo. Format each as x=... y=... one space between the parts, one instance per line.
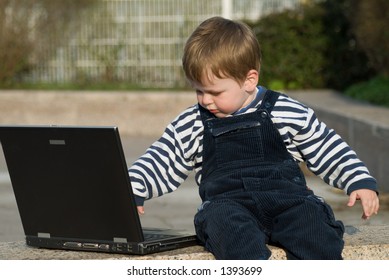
x=254 y=193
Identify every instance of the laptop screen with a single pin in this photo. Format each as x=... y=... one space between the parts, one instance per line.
x=71 y=182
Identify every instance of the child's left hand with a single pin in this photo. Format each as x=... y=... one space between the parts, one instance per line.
x=369 y=200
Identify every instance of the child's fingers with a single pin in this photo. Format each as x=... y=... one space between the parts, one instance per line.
x=370 y=207
x=352 y=199
x=141 y=210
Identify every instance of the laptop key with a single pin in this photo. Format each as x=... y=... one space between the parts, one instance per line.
x=156 y=236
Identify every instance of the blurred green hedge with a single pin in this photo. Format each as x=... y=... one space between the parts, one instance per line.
x=315 y=46
x=375 y=91
x=293 y=49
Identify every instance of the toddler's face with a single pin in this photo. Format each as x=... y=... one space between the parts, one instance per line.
x=222 y=96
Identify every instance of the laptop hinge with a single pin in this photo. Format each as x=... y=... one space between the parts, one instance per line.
x=43 y=235
x=120 y=240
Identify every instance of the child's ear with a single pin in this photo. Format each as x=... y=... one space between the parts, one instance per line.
x=251 y=81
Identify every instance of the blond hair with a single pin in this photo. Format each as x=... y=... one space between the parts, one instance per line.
x=226 y=48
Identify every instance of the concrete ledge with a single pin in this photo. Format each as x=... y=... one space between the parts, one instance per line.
x=135 y=113
x=361 y=243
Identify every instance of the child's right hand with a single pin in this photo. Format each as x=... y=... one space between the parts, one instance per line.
x=141 y=210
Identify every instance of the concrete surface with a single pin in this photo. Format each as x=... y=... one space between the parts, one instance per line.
x=359 y=245
x=135 y=113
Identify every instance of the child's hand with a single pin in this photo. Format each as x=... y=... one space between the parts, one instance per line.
x=369 y=201
x=141 y=210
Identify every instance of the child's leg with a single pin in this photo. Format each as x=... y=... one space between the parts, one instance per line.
x=230 y=231
x=309 y=230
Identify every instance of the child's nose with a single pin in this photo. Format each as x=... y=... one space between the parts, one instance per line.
x=207 y=99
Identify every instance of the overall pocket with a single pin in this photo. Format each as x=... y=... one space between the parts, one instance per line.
x=239 y=144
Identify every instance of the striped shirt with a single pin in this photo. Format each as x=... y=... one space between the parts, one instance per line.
x=168 y=162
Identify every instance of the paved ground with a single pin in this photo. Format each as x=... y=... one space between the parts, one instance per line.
x=175 y=210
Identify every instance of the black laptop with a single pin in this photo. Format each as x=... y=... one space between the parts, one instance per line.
x=73 y=191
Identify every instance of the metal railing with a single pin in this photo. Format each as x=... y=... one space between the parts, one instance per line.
x=140 y=42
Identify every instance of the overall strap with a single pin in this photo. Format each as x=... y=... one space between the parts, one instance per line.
x=269 y=100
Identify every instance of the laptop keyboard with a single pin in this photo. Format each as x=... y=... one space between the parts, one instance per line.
x=155 y=236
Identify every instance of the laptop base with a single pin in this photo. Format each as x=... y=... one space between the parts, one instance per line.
x=103 y=246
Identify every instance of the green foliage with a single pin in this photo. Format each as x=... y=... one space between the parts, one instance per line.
x=313 y=47
x=375 y=91
x=346 y=62
x=370 y=20
x=293 y=53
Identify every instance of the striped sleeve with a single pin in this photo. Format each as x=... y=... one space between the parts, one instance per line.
x=324 y=151
x=169 y=160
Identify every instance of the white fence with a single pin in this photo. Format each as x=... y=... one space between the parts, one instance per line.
x=140 y=42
